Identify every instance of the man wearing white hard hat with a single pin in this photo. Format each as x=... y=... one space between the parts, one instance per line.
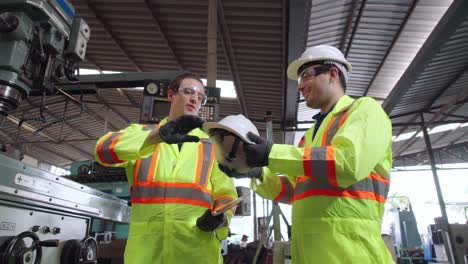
x=175 y=182
x=338 y=179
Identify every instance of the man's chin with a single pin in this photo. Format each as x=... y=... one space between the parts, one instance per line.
x=188 y=112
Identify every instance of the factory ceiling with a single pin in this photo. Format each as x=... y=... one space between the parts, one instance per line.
x=411 y=56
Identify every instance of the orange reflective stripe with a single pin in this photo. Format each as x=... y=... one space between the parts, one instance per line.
x=99 y=149
x=137 y=170
x=210 y=166
x=287 y=191
x=174 y=184
x=156 y=200
x=199 y=162
x=205 y=162
x=325 y=134
x=105 y=149
x=153 y=166
x=379 y=178
x=343 y=119
x=307 y=162
x=330 y=162
x=342 y=193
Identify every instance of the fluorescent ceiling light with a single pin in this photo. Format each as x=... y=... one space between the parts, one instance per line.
x=442 y=128
x=404 y=136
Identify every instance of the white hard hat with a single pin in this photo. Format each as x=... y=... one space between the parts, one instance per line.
x=236 y=124
x=326 y=53
x=229 y=136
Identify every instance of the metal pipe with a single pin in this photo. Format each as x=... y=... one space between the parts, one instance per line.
x=211 y=43
x=440 y=197
x=275 y=207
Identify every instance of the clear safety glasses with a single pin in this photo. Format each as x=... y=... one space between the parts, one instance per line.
x=312 y=72
x=193 y=90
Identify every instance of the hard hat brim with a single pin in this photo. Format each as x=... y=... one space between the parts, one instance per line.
x=295 y=65
x=212 y=125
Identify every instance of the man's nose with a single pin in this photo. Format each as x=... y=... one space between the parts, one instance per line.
x=300 y=86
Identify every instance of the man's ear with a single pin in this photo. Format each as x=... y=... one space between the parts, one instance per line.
x=334 y=73
x=170 y=94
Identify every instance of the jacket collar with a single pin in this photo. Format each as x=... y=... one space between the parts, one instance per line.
x=343 y=103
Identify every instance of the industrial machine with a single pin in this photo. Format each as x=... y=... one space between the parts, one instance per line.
x=48 y=219
x=41 y=43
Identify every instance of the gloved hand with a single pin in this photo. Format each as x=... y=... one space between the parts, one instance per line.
x=175 y=131
x=207 y=222
x=257 y=154
x=254 y=173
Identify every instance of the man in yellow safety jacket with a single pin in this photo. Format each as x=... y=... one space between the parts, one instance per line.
x=338 y=180
x=175 y=182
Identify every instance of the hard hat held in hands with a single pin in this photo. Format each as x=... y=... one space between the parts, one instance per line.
x=229 y=136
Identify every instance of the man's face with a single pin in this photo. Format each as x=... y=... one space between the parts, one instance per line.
x=314 y=84
x=188 y=99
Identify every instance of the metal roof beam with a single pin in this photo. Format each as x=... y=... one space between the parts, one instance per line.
x=82 y=152
x=356 y=25
x=448 y=24
x=163 y=35
x=56 y=117
x=349 y=23
x=230 y=56
x=115 y=111
x=382 y=62
x=298 y=18
x=112 y=35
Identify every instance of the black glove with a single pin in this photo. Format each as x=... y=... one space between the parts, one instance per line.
x=254 y=173
x=207 y=222
x=175 y=131
x=257 y=154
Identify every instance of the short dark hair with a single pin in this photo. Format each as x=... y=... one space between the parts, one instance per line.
x=340 y=74
x=175 y=84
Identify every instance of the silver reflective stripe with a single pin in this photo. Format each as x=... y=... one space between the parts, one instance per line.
x=105 y=149
x=145 y=165
x=288 y=191
x=318 y=163
x=207 y=149
x=367 y=185
x=334 y=127
x=171 y=192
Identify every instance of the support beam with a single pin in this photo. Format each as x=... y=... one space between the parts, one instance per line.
x=115 y=111
x=445 y=225
x=446 y=27
x=231 y=58
x=126 y=96
x=90 y=112
x=212 y=44
x=65 y=122
x=114 y=38
x=397 y=36
x=356 y=25
x=298 y=25
x=349 y=25
x=43 y=147
x=162 y=35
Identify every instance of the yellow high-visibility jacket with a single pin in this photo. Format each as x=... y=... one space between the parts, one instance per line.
x=337 y=184
x=169 y=191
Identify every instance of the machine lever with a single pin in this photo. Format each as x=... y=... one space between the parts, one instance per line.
x=49 y=243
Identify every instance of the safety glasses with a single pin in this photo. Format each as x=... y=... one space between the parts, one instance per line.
x=190 y=91
x=312 y=72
